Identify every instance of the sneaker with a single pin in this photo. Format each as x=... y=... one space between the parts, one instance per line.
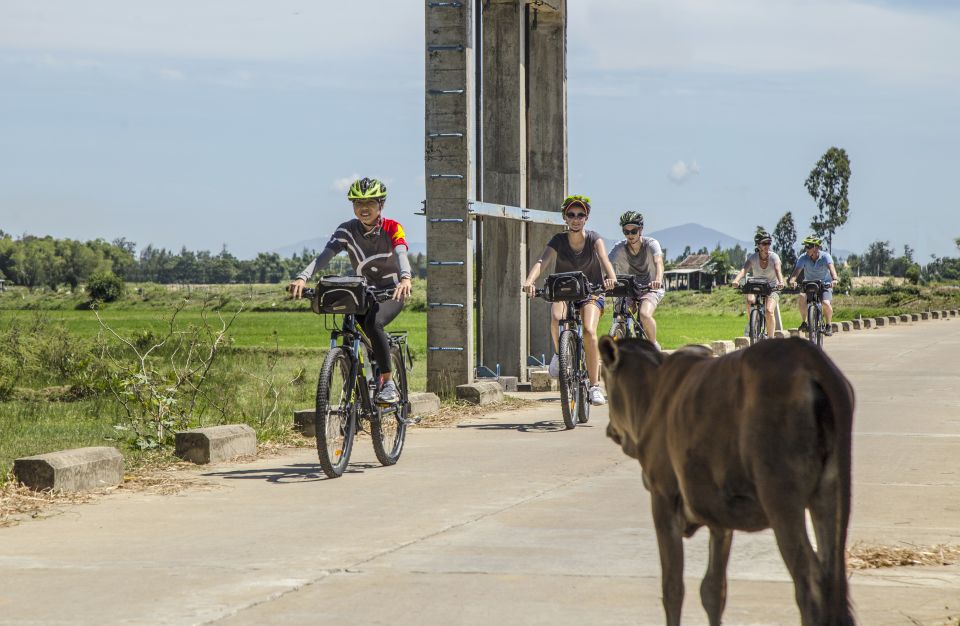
x=656 y=344
x=828 y=332
x=388 y=393
x=803 y=327
x=554 y=368
x=596 y=396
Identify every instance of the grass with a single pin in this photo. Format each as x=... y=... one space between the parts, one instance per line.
x=277 y=346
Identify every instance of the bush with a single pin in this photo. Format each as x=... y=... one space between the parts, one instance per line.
x=106 y=287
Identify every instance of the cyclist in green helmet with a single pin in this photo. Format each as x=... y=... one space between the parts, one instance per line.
x=642 y=257
x=377 y=248
x=764 y=263
x=815 y=265
x=577 y=249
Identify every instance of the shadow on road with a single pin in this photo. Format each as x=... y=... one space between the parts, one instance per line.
x=535 y=427
x=301 y=472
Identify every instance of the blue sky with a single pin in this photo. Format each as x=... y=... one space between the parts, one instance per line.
x=238 y=122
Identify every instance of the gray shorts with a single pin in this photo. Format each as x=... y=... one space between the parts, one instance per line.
x=653 y=297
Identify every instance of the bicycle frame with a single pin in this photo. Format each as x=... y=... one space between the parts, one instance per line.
x=622 y=314
x=813 y=291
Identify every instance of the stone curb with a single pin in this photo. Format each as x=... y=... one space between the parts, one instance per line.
x=77 y=469
x=480 y=393
x=507 y=383
x=540 y=380
x=216 y=444
x=721 y=348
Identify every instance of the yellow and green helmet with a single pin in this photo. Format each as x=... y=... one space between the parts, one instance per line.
x=367 y=189
x=583 y=201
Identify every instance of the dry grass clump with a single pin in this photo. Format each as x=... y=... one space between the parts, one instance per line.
x=863 y=556
x=452 y=413
x=18 y=502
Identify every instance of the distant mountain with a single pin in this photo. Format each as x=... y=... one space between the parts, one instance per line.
x=676 y=238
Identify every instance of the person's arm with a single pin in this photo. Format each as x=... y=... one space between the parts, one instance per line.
x=601 y=250
x=778 y=270
x=529 y=285
x=796 y=272
x=320 y=262
x=833 y=272
x=618 y=259
x=740 y=275
x=658 y=281
x=406 y=281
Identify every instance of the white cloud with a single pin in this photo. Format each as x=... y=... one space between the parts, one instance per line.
x=681 y=171
x=171 y=74
x=343 y=184
x=767 y=36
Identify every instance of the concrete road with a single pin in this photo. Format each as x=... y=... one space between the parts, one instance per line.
x=503 y=520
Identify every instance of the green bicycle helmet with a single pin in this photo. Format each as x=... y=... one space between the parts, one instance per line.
x=367 y=189
x=812 y=240
x=631 y=217
x=583 y=201
x=761 y=235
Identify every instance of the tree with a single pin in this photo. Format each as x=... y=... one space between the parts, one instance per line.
x=721 y=266
x=877 y=258
x=106 y=287
x=827 y=185
x=784 y=242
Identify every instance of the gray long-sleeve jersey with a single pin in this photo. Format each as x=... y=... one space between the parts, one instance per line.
x=379 y=255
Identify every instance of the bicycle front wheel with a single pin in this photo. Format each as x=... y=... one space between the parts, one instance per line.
x=821 y=327
x=756 y=325
x=618 y=331
x=568 y=377
x=389 y=428
x=335 y=413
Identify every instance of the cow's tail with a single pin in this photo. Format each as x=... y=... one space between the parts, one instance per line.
x=840 y=402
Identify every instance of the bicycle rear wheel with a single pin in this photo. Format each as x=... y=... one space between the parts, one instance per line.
x=568 y=377
x=756 y=325
x=813 y=320
x=389 y=428
x=821 y=327
x=335 y=413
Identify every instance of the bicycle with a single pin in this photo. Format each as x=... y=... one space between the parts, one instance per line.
x=571 y=287
x=625 y=325
x=816 y=325
x=760 y=289
x=349 y=379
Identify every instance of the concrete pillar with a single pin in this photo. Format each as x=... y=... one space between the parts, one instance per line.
x=450 y=181
x=546 y=142
x=503 y=331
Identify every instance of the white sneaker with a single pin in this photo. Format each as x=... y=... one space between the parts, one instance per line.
x=596 y=396
x=554 y=368
x=389 y=394
x=656 y=344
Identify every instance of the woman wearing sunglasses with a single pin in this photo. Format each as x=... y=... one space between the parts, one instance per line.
x=764 y=263
x=642 y=257
x=577 y=250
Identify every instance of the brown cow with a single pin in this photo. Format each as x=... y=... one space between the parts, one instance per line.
x=746 y=441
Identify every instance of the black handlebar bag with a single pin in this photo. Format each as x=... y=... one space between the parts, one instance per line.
x=566 y=287
x=758 y=287
x=813 y=287
x=342 y=295
x=628 y=286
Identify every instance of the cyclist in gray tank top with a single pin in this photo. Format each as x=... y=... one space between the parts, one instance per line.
x=764 y=263
x=582 y=250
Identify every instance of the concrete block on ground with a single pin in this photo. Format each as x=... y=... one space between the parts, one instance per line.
x=480 y=392
x=925 y=315
x=216 y=444
x=945 y=315
x=904 y=318
x=935 y=315
x=834 y=327
x=79 y=469
x=424 y=404
x=741 y=342
x=954 y=313
x=857 y=325
x=846 y=326
x=507 y=383
x=305 y=422
x=914 y=317
x=722 y=347
x=879 y=321
x=892 y=319
x=540 y=380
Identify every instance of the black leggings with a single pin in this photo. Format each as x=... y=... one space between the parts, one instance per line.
x=373 y=323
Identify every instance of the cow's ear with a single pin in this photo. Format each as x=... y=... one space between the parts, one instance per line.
x=609 y=352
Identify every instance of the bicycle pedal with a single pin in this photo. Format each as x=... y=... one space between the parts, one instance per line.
x=410 y=421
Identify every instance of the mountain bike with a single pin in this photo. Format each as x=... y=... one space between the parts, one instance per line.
x=350 y=378
x=625 y=324
x=571 y=287
x=760 y=289
x=816 y=325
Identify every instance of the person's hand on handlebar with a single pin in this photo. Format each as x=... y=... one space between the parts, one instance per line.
x=609 y=283
x=296 y=288
x=655 y=285
x=402 y=292
x=530 y=289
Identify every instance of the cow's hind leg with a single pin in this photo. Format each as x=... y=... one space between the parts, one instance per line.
x=713 y=589
x=830 y=512
x=788 y=520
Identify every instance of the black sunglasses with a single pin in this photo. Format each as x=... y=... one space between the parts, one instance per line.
x=809 y=246
x=631 y=231
x=576 y=216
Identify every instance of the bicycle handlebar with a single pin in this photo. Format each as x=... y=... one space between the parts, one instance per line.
x=380 y=295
